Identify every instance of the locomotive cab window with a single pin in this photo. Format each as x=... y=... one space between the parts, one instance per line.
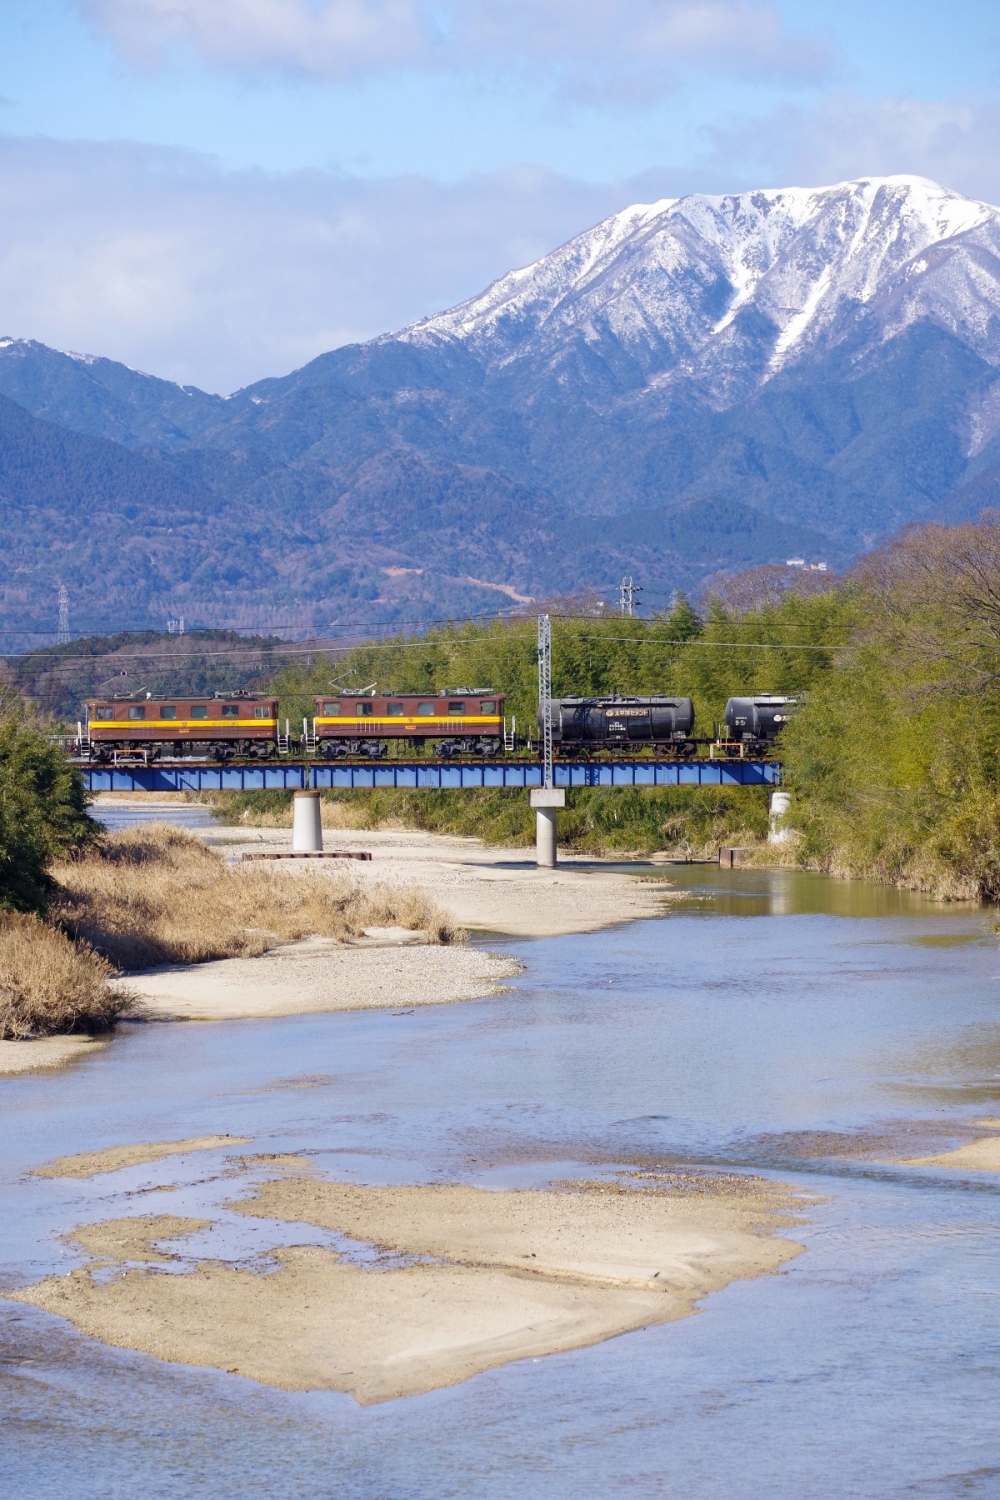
x=426 y=709
x=396 y=710
x=456 y=708
x=332 y=710
x=168 y=711
x=199 y=711
x=363 y=709
x=487 y=708
x=136 y=711
x=260 y=712
x=230 y=710
x=105 y=713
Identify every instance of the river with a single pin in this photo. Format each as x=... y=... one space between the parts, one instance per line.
x=771 y=1022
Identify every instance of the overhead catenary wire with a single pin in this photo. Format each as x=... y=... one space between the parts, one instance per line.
x=233 y=655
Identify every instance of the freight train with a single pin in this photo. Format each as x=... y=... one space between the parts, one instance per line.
x=583 y=725
x=452 y=723
x=456 y=721
x=758 y=721
x=222 y=727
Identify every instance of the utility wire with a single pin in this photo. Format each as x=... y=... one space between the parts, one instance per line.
x=234 y=656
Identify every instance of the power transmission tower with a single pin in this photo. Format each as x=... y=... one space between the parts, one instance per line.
x=545 y=695
x=627 y=591
x=62 y=636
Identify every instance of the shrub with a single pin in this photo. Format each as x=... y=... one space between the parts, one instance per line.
x=50 y=984
x=43 y=813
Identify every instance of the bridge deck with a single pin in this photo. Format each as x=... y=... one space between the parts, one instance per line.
x=440 y=776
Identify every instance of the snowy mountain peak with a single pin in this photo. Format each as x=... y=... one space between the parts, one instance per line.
x=729 y=289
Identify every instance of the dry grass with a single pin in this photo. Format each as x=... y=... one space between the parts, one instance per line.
x=50 y=985
x=156 y=895
x=333 y=815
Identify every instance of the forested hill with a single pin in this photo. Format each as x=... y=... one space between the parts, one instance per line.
x=692 y=385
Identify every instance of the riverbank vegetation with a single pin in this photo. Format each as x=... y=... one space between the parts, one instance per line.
x=157 y=895
x=43 y=811
x=50 y=985
x=894 y=760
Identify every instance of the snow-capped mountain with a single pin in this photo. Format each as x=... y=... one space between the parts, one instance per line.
x=727 y=291
x=694 y=384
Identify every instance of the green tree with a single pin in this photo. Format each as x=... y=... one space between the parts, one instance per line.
x=43 y=812
x=894 y=760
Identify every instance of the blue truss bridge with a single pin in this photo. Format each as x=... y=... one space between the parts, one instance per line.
x=429 y=776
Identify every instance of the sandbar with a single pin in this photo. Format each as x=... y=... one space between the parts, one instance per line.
x=982 y=1155
x=688 y=1244
x=45 y=1052
x=501 y=1276
x=93 y=1163
x=481 y=887
x=320 y=974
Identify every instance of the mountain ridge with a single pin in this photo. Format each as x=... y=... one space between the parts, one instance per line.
x=694 y=384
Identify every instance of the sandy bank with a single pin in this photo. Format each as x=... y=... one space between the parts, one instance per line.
x=608 y=1234
x=320 y=974
x=45 y=1052
x=92 y=1163
x=478 y=888
x=503 y=1276
x=982 y=1155
x=495 y=890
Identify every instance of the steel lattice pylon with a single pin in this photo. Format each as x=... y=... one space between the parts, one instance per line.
x=62 y=635
x=545 y=695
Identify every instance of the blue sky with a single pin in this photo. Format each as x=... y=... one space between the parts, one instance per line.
x=220 y=189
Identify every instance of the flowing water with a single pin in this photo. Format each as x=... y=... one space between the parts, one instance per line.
x=770 y=1022
x=119 y=816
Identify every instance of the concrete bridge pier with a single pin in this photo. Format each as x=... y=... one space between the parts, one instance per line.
x=780 y=804
x=307 y=823
x=546 y=801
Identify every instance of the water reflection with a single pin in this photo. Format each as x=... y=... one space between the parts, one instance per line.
x=794 y=893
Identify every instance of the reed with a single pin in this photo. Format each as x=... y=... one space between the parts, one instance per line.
x=156 y=895
x=50 y=984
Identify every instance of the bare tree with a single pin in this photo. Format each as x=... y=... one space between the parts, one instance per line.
x=936 y=596
x=765 y=586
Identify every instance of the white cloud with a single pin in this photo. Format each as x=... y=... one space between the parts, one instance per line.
x=951 y=141
x=332 y=38
x=588 y=42
x=159 y=258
